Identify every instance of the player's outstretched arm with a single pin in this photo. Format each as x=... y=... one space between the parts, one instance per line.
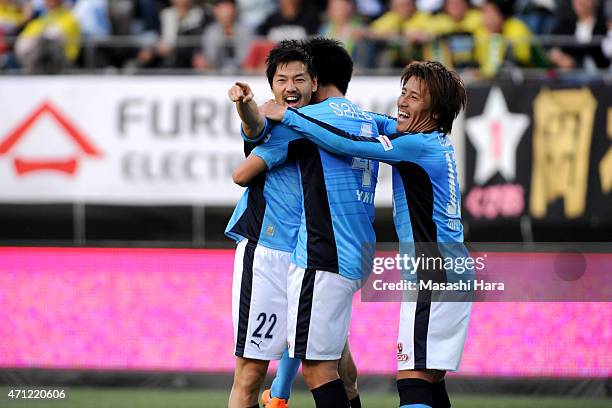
x=253 y=122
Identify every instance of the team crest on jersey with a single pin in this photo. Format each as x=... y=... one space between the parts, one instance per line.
x=384 y=140
x=268 y=136
x=400 y=353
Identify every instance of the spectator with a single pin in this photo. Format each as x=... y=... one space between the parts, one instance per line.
x=457 y=17
x=134 y=17
x=11 y=17
x=11 y=20
x=182 y=19
x=121 y=16
x=51 y=41
x=501 y=37
x=292 y=21
x=93 y=17
x=369 y=9
x=455 y=27
x=253 y=12
x=587 y=23
x=402 y=20
x=343 y=24
x=225 y=42
x=606 y=44
x=539 y=15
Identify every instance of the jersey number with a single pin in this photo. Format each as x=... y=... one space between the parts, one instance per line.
x=367 y=166
x=262 y=319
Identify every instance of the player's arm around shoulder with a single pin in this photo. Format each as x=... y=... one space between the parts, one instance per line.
x=248 y=170
x=339 y=141
x=386 y=124
x=272 y=152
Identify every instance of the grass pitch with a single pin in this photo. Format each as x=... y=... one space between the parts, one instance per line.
x=164 y=398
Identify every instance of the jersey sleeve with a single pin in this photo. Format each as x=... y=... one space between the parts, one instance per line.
x=386 y=124
x=386 y=149
x=275 y=149
x=259 y=138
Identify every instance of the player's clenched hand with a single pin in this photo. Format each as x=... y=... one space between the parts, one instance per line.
x=273 y=110
x=240 y=92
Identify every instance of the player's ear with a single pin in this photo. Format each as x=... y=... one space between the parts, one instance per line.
x=315 y=85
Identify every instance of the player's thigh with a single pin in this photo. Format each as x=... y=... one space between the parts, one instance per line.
x=432 y=335
x=319 y=313
x=260 y=299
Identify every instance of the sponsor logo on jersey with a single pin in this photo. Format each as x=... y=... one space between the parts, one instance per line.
x=400 y=353
x=384 y=140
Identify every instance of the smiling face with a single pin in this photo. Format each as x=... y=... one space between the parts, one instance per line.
x=414 y=107
x=292 y=85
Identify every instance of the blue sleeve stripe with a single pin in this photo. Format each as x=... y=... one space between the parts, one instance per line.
x=260 y=137
x=335 y=130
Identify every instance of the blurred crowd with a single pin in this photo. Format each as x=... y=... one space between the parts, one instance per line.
x=478 y=36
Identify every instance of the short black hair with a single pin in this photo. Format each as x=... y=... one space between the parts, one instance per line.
x=285 y=52
x=332 y=63
x=446 y=90
x=505 y=7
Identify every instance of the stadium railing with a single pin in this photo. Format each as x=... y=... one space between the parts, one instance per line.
x=93 y=50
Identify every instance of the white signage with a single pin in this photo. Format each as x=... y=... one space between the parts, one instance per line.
x=140 y=140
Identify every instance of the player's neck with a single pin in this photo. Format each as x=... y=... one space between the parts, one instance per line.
x=326 y=91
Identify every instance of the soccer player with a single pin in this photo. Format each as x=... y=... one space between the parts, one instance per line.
x=336 y=73
x=280 y=391
x=265 y=224
x=337 y=220
x=322 y=51
x=427 y=210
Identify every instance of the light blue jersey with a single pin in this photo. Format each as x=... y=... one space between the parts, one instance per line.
x=427 y=215
x=270 y=210
x=337 y=191
x=426 y=194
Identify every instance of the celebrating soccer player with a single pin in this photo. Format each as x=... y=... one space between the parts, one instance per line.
x=426 y=194
x=338 y=197
x=265 y=224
